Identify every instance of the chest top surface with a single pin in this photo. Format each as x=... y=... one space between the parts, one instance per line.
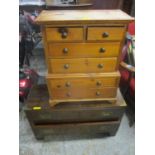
x=83 y=16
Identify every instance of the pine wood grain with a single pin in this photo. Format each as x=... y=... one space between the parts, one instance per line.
x=83 y=17
x=73 y=34
x=80 y=82
x=84 y=93
x=83 y=50
x=82 y=65
x=114 y=33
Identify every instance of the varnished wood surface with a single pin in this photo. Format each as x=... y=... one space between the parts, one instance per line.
x=83 y=33
x=83 y=50
x=96 y=33
x=84 y=75
x=75 y=93
x=83 y=16
x=82 y=65
x=39 y=96
x=73 y=34
x=60 y=82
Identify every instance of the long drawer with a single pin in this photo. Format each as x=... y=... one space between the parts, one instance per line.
x=85 y=50
x=84 y=93
x=82 y=65
x=62 y=81
x=42 y=130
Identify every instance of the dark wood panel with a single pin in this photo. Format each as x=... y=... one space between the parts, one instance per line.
x=43 y=130
x=82 y=115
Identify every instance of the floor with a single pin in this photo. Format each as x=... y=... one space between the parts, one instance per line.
x=121 y=144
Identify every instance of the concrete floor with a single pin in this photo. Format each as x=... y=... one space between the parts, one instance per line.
x=121 y=144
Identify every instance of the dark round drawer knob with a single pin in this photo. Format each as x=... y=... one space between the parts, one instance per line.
x=105 y=34
x=65 y=50
x=64 y=35
x=68 y=84
x=63 y=31
x=68 y=94
x=66 y=66
x=100 y=65
x=98 y=83
x=98 y=93
x=102 y=50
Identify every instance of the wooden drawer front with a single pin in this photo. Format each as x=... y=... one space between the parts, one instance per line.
x=76 y=115
x=88 y=65
x=105 y=33
x=82 y=82
x=109 y=127
x=83 y=93
x=68 y=34
x=86 y=50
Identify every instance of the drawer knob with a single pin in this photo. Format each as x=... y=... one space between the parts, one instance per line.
x=66 y=66
x=102 y=50
x=68 y=84
x=105 y=34
x=98 y=93
x=68 y=94
x=100 y=65
x=65 y=50
x=98 y=83
x=64 y=35
x=63 y=31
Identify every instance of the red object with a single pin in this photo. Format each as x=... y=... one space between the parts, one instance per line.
x=124 y=75
x=131 y=28
x=27 y=79
x=23 y=83
x=127 y=81
x=132 y=86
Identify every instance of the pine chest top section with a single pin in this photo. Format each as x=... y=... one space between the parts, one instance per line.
x=83 y=17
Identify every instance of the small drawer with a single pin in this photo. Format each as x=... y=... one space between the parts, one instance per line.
x=83 y=65
x=105 y=33
x=64 y=34
x=81 y=81
x=109 y=127
x=84 y=93
x=85 y=50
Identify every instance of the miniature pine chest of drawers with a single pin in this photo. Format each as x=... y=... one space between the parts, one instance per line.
x=82 y=50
